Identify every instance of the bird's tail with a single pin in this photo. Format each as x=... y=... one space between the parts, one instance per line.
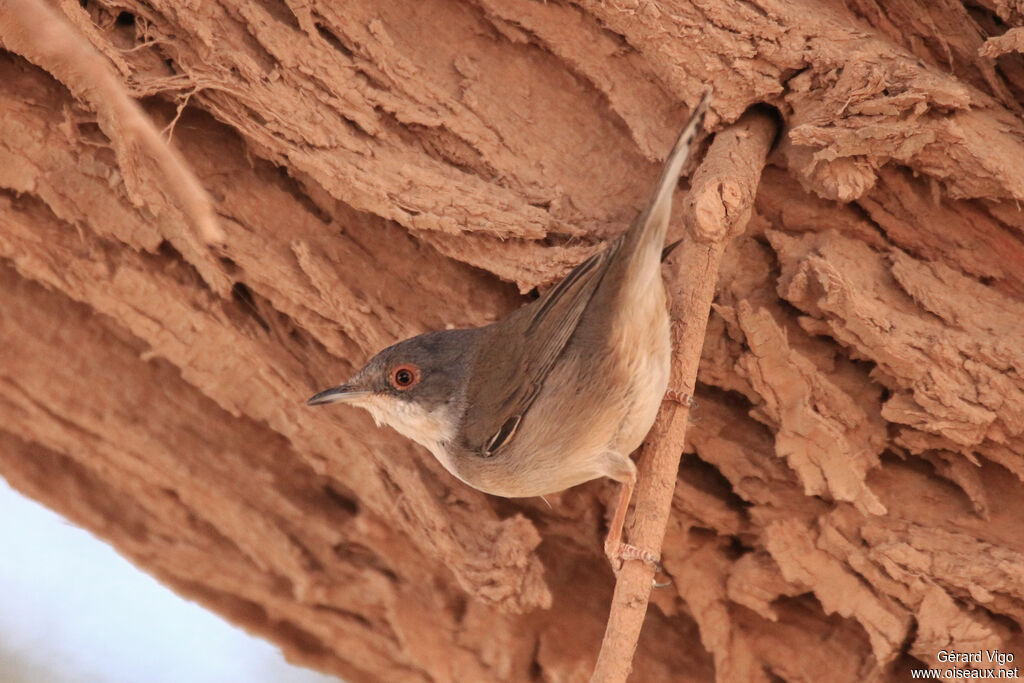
x=652 y=224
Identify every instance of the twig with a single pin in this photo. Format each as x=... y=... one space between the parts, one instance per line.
x=36 y=32
x=716 y=210
x=168 y=130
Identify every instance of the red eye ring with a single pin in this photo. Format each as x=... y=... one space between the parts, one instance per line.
x=405 y=376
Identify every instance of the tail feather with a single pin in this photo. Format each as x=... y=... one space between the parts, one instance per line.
x=653 y=222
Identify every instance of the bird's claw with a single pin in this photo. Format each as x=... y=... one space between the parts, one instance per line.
x=624 y=552
x=679 y=397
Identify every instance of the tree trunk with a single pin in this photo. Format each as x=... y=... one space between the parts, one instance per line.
x=850 y=502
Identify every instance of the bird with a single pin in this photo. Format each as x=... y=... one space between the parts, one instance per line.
x=559 y=392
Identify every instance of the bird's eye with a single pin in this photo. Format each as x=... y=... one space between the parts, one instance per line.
x=405 y=376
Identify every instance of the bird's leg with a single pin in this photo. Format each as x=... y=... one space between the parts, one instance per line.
x=617 y=551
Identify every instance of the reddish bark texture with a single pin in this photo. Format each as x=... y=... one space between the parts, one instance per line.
x=851 y=498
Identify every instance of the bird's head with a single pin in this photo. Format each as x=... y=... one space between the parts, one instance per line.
x=416 y=386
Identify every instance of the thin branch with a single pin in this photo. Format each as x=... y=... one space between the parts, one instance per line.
x=716 y=210
x=168 y=130
x=45 y=38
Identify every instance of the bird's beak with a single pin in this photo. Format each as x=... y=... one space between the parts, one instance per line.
x=346 y=392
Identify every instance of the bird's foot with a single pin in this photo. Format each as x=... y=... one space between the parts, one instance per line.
x=679 y=397
x=623 y=552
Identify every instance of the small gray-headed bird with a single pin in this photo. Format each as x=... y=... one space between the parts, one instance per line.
x=557 y=393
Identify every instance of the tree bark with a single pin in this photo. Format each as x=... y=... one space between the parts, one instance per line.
x=850 y=498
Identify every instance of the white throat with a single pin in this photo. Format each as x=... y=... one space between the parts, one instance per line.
x=432 y=429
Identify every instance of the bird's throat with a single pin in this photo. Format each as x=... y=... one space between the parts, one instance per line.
x=432 y=429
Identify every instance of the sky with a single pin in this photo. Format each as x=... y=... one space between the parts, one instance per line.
x=73 y=610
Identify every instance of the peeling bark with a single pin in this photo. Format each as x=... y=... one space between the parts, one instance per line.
x=851 y=496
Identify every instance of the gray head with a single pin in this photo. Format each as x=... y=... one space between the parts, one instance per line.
x=415 y=386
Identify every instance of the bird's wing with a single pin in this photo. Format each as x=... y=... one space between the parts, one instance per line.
x=518 y=353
